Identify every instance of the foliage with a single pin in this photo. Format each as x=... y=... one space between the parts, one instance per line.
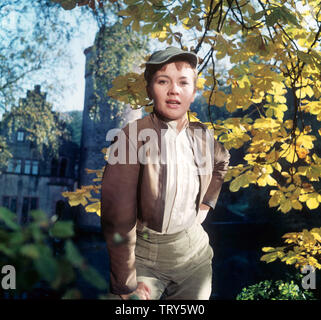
x=113 y=53
x=5 y=155
x=34 y=115
x=274 y=71
x=84 y=197
x=274 y=290
x=74 y=124
x=271 y=53
x=301 y=249
x=70 y=4
x=31 y=250
x=33 y=37
x=200 y=108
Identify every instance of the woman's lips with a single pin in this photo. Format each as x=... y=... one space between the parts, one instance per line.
x=173 y=104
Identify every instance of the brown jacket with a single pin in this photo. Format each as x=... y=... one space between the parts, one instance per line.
x=132 y=191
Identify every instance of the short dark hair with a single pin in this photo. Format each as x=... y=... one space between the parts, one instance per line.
x=151 y=69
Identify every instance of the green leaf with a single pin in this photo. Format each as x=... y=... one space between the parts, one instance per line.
x=289 y=16
x=46 y=265
x=258 y=15
x=30 y=251
x=36 y=232
x=7 y=251
x=8 y=218
x=93 y=277
x=66 y=274
x=239 y=182
x=73 y=255
x=270 y=257
x=273 y=17
x=305 y=57
x=39 y=215
x=72 y=294
x=62 y=229
x=17 y=238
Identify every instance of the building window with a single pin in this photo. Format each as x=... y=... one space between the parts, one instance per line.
x=28 y=204
x=14 y=165
x=63 y=167
x=10 y=165
x=33 y=203
x=54 y=167
x=31 y=167
x=59 y=167
x=20 y=136
x=25 y=210
x=5 y=201
x=27 y=167
x=17 y=168
x=10 y=203
x=13 y=204
x=35 y=167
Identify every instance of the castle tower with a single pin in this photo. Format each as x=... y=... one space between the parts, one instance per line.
x=99 y=116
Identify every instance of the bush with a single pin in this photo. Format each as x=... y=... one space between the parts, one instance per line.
x=44 y=256
x=275 y=290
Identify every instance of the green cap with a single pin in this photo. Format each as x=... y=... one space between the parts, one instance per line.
x=163 y=56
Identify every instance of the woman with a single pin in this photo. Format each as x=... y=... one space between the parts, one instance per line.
x=163 y=175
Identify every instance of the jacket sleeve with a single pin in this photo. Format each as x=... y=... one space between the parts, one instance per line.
x=221 y=162
x=118 y=221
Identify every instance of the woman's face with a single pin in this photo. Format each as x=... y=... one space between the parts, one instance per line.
x=172 y=89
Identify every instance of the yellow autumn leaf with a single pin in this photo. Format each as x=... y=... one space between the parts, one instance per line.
x=296 y=205
x=79 y=196
x=268 y=249
x=308 y=91
x=160 y=35
x=312 y=203
x=316 y=232
x=93 y=207
x=289 y=153
x=148 y=109
x=285 y=206
x=238 y=182
x=218 y=98
x=193 y=117
x=291 y=258
x=305 y=141
x=270 y=257
x=275 y=200
x=186 y=23
x=200 y=83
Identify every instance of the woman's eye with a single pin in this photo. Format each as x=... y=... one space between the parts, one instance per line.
x=161 y=81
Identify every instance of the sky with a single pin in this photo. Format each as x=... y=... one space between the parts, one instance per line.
x=74 y=93
x=74 y=97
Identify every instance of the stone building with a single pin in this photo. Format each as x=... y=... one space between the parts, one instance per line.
x=30 y=182
x=34 y=182
x=95 y=127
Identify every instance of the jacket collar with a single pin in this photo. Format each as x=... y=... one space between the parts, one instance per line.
x=162 y=123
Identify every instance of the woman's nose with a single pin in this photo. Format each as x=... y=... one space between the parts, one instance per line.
x=173 y=89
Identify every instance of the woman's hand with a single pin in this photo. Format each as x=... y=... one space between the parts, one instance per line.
x=202 y=213
x=142 y=291
x=204 y=207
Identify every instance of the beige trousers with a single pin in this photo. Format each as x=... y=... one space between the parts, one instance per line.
x=175 y=266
